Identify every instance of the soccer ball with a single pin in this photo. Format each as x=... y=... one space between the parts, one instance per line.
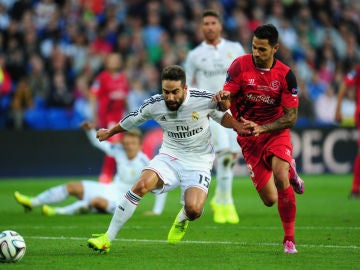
x=12 y=246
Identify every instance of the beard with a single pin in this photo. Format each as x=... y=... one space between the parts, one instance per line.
x=173 y=106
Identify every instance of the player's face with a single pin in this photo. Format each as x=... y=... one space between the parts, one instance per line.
x=211 y=28
x=113 y=62
x=263 y=52
x=131 y=144
x=174 y=94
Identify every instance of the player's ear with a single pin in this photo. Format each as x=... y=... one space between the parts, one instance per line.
x=276 y=47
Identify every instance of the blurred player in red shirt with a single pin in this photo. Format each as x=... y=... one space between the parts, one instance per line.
x=108 y=95
x=352 y=80
x=262 y=92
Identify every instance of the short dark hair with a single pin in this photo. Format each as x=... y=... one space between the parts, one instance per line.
x=211 y=12
x=269 y=32
x=174 y=73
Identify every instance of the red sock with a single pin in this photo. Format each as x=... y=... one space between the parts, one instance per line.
x=107 y=170
x=287 y=212
x=356 y=176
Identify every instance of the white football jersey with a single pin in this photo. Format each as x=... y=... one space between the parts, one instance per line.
x=206 y=65
x=186 y=132
x=127 y=170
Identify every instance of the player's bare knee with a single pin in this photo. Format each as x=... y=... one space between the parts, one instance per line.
x=74 y=188
x=141 y=188
x=98 y=203
x=193 y=211
x=270 y=200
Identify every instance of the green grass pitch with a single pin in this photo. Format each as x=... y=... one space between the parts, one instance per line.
x=327 y=232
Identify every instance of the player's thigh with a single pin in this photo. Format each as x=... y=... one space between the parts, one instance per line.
x=194 y=186
x=263 y=180
x=166 y=168
x=268 y=193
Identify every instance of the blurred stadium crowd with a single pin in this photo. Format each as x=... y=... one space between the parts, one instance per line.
x=52 y=50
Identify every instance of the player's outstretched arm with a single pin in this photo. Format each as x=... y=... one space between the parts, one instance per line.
x=288 y=120
x=229 y=121
x=104 y=133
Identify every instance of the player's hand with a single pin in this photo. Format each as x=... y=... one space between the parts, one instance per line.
x=223 y=99
x=102 y=134
x=242 y=129
x=253 y=128
x=86 y=125
x=221 y=96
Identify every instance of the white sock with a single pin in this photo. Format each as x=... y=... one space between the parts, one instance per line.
x=159 y=204
x=51 y=195
x=182 y=215
x=74 y=208
x=123 y=212
x=224 y=178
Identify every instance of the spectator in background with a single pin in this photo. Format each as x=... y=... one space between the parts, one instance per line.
x=21 y=101
x=82 y=106
x=315 y=86
x=61 y=94
x=325 y=106
x=39 y=27
x=352 y=80
x=108 y=94
x=5 y=91
x=38 y=80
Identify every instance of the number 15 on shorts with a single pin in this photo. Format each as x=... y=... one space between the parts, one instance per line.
x=204 y=180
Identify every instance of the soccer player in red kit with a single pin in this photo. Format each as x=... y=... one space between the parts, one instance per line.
x=108 y=95
x=352 y=80
x=261 y=92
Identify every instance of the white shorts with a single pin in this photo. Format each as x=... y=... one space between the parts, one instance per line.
x=93 y=189
x=224 y=139
x=174 y=174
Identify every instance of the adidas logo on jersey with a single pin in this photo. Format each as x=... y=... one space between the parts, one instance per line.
x=163 y=118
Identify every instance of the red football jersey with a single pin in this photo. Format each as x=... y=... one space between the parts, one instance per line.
x=260 y=94
x=352 y=79
x=111 y=91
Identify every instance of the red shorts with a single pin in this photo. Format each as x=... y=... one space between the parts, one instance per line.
x=258 y=152
x=357 y=123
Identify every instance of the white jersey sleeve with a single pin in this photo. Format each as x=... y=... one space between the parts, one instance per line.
x=109 y=148
x=206 y=65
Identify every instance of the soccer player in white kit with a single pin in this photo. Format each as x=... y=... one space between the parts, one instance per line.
x=205 y=68
x=184 y=160
x=92 y=195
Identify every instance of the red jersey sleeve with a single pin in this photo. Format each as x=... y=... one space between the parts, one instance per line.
x=352 y=76
x=289 y=97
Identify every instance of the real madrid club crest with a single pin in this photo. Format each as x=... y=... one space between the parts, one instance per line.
x=195 y=116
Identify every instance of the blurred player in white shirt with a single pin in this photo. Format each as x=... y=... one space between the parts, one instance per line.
x=92 y=195
x=206 y=67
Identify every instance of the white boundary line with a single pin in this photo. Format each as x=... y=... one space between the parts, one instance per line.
x=234 y=243
x=315 y=228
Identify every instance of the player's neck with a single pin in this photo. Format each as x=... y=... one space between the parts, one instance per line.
x=214 y=42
